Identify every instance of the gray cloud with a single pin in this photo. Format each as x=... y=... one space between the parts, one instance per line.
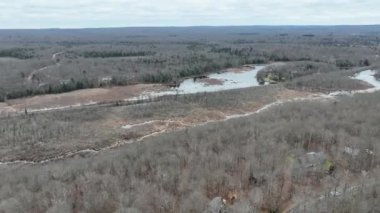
x=117 y=13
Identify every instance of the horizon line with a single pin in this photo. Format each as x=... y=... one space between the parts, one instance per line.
x=194 y=26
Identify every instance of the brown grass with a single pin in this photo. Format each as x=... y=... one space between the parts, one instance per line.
x=83 y=96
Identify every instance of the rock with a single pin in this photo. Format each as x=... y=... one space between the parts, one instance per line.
x=217 y=205
x=351 y=151
x=313 y=159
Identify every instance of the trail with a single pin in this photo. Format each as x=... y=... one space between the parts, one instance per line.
x=164 y=130
x=54 y=56
x=94 y=151
x=35 y=72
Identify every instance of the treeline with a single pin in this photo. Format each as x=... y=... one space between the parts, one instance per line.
x=263 y=57
x=325 y=83
x=291 y=53
x=20 y=53
x=377 y=74
x=241 y=52
x=199 y=70
x=159 y=77
x=310 y=76
x=195 y=68
x=280 y=72
x=196 y=65
x=346 y=64
x=113 y=54
x=63 y=86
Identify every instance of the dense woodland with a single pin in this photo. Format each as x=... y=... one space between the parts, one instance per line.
x=30 y=65
x=313 y=155
x=235 y=159
x=311 y=76
x=280 y=72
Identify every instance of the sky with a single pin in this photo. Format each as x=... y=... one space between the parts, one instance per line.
x=123 y=13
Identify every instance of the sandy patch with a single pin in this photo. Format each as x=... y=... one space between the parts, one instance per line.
x=211 y=81
x=6 y=59
x=290 y=94
x=240 y=69
x=4 y=108
x=203 y=115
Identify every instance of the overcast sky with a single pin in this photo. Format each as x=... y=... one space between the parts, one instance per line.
x=120 y=13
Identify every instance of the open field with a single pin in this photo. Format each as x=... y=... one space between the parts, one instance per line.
x=81 y=97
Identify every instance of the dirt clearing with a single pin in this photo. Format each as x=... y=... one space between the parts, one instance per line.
x=82 y=97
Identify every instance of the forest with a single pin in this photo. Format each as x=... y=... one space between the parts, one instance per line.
x=32 y=66
x=89 y=121
x=235 y=159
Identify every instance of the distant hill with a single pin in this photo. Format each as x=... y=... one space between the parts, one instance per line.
x=122 y=33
